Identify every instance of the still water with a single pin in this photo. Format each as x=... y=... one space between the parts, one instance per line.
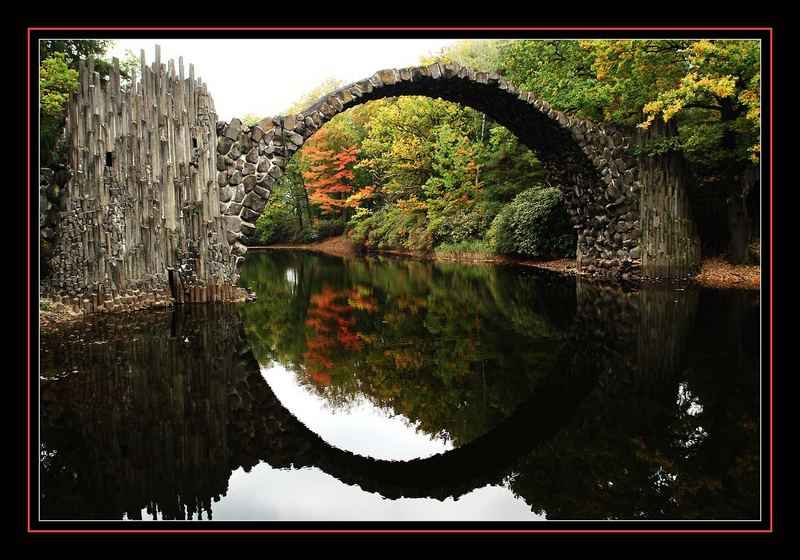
x=382 y=388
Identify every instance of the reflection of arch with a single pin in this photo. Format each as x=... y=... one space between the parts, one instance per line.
x=589 y=161
x=136 y=435
x=452 y=473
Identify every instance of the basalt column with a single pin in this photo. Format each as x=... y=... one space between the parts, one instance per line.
x=136 y=223
x=670 y=245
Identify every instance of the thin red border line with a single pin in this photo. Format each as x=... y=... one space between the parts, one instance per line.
x=771 y=508
x=401 y=531
x=29 y=279
x=770 y=280
x=402 y=29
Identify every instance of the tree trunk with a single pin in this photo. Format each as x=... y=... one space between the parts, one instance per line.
x=738 y=219
x=308 y=205
x=739 y=180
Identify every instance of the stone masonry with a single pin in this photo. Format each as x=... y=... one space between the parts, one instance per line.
x=594 y=165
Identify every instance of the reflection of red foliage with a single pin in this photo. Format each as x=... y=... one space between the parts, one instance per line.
x=330 y=316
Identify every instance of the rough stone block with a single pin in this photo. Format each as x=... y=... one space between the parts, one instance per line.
x=232 y=236
x=328 y=110
x=254 y=202
x=388 y=77
x=224 y=145
x=233 y=129
x=238 y=196
x=268 y=136
x=365 y=86
x=295 y=138
x=226 y=193
x=262 y=192
x=233 y=223
x=249 y=215
x=248 y=229
x=346 y=97
x=249 y=182
x=238 y=249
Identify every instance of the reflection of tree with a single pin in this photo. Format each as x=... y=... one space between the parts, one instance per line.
x=155 y=414
x=434 y=342
x=330 y=317
x=457 y=348
x=671 y=435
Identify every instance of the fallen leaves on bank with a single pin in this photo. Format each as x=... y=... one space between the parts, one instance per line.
x=716 y=272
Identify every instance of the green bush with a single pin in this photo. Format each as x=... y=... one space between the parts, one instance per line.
x=393 y=228
x=329 y=228
x=535 y=223
x=465 y=225
x=473 y=246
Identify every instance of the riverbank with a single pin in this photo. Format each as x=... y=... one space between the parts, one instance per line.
x=341 y=246
x=55 y=314
x=715 y=272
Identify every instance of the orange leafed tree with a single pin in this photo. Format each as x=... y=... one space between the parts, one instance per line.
x=330 y=178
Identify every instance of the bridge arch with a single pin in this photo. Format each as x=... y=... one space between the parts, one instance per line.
x=592 y=163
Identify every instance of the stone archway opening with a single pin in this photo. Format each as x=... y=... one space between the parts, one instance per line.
x=482 y=178
x=591 y=163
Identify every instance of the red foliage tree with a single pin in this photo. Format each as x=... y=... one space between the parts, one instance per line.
x=330 y=179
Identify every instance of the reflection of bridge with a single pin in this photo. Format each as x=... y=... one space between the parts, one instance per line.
x=453 y=473
x=126 y=437
x=132 y=446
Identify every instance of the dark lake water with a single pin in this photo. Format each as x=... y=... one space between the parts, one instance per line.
x=390 y=389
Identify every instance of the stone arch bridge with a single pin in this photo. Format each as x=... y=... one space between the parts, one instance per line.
x=594 y=164
x=158 y=200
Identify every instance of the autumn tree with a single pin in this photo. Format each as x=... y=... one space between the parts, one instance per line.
x=330 y=177
x=710 y=88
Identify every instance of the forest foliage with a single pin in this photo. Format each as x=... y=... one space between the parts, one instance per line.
x=424 y=174
x=420 y=173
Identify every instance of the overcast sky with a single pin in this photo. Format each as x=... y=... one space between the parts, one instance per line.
x=265 y=76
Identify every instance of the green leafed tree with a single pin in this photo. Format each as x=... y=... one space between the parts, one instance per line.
x=711 y=88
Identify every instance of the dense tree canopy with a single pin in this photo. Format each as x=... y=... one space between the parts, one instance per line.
x=710 y=88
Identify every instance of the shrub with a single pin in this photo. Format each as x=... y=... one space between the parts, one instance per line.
x=393 y=227
x=535 y=223
x=465 y=225
x=329 y=228
x=473 y=246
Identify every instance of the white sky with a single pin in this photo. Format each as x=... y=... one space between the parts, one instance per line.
x=265 y=76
